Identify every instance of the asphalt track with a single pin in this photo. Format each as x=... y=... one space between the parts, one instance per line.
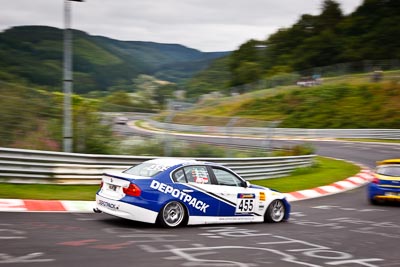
x=337 y=230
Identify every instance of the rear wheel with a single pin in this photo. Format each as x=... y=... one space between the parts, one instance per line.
x=275 y=212
x=172 y=214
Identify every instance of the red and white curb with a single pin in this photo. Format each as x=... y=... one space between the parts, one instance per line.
x=360 y=179
x=26 y=205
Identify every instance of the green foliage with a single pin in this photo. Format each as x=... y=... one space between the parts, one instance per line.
x=297 y=150
x=369 y=33
x=145 y=93
x=90 y=135
x=119 y=98
x=23 y=113
x=343 y=102
x=331 y=37
x=48 y=192
x=246 y=72
x=244 y=64
x=215 y=78
x=178 y=149
x=200 y=151
x=330 y=106
x=91 y=52
x=35 y=54
x=33 y=118
x=280 y=79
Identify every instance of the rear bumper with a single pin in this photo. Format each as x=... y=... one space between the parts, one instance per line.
x=125 y=210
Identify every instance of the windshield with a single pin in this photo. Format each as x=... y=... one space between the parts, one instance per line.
x=389 y=170
x=146 y=169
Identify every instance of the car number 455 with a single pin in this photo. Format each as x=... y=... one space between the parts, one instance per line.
x=245 y=205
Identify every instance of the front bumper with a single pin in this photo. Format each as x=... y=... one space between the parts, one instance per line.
x=376 y=192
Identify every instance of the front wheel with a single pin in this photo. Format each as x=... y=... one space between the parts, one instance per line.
x=172 y=214
x=275 y=212
x=374 y=201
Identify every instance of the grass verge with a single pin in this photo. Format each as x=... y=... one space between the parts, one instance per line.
x=48 y=192
x=325 y=171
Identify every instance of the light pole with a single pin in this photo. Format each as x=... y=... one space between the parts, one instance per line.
x=67 y=78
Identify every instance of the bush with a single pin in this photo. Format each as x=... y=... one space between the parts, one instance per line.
x=297 y=150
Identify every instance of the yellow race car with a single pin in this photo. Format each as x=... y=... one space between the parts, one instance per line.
x=386 y=183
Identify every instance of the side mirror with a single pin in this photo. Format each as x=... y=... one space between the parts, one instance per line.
x=247 y=185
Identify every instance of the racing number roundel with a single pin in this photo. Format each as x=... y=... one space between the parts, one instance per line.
x=245 y=203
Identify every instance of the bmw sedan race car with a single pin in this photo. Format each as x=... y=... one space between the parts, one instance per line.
x=174 y=192
x=386 y=183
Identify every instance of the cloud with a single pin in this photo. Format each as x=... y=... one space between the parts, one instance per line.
x=207 y=25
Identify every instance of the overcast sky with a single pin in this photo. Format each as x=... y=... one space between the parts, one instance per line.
x=206 y=25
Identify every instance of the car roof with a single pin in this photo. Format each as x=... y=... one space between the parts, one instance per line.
x=179 y=161
x=388 y=161
x=173 y=161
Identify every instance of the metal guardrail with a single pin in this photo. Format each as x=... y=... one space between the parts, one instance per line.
x=45 y=167
x=393 y=134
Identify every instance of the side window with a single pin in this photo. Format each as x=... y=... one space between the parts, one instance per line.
x=179 y=176
x=226 y=178
x=197 y=174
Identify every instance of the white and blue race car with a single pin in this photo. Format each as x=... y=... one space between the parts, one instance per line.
x=174 y=192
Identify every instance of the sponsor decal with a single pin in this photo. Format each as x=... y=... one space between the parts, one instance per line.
x=240 y=195
x=200 y=176
x=176 y=193
x=106 y=204
x=156 y=167
x=261 y=207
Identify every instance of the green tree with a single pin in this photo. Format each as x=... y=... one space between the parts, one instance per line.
x=330 y=16
x=246 y=72
x=119 y=98
x=165 y=92
x=247 y=56
x=91 y=135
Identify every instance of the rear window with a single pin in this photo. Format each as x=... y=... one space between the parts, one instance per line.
x=389 y=170
x=146 y=169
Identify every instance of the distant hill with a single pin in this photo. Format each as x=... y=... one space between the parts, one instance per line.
x=34 y=54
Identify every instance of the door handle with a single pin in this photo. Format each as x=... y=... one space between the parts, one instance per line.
x=187 y=190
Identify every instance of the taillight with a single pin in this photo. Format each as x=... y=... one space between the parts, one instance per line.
x=101 y=184
x=132 y=190
x=375 y=180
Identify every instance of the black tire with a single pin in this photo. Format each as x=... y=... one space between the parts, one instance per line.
x=173 y=214
x=275 y=212
x=375 y=201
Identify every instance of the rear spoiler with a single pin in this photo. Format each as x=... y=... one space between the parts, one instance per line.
x=388 y=161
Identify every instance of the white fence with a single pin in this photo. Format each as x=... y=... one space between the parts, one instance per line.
x=45 y=167
x=393 y=134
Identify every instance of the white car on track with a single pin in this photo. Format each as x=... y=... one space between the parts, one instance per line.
x=176 y=192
